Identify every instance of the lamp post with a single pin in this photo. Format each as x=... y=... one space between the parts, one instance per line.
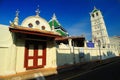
x=99 y=45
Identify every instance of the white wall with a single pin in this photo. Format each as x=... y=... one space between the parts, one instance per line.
x=67 y=55
x=20 y=55
x=7 y=51
x=50 y=54
x=64 y=56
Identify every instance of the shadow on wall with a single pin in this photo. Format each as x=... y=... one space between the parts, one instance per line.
x=71 y=58
x=111 y=54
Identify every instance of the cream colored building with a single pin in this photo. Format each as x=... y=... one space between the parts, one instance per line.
x=115 y=43
x=27 y=47
x=98 y=27
x=105 y=44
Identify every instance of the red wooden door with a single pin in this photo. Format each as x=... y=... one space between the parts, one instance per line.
x=35 y=54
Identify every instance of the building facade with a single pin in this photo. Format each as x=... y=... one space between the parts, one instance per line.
x=98 y=27
x=100 y=35
x=28 y=46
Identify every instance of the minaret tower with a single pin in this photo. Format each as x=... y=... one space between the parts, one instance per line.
x=99 y=32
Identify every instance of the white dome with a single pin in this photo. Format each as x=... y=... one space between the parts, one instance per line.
x=36 y=22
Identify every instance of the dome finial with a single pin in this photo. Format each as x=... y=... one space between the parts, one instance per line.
x=37 y=11
x=16 y=19
x=17 y=13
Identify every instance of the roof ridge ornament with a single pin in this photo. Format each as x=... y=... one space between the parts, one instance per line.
x=54 y=17
x=16 y=19
x=95 y=8
x=37 y=11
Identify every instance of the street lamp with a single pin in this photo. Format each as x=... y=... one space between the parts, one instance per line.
x=99 y=45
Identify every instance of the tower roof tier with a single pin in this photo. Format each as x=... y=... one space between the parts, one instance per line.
x=57 y=26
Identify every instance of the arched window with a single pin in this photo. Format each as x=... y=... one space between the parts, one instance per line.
x=30 y=25
x=37 y=22
x=97 y=14
x=43 y=27
x=93 y=15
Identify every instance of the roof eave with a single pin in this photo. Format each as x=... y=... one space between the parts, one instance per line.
x=18 y=29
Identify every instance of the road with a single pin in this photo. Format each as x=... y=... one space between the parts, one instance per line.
x=106 y=71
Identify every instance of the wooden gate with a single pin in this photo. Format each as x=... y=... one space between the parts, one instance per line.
x=35 y=54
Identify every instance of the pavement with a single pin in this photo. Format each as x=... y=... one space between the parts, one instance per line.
x=30 y=74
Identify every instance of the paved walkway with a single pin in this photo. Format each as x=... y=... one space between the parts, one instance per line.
x=30 y=74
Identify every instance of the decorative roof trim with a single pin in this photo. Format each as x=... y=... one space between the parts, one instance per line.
x=25 y=30
x=66 y=38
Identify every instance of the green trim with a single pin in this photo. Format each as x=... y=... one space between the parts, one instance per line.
x=95 y=10
x=56 y=24
x=62 y=33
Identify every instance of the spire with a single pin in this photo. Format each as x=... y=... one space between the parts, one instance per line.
x=37 y=11
x=95 y=8
x=54 y=17
x=17 y=13
x=16 y=19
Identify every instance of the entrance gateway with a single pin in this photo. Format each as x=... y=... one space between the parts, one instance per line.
x=35 y=54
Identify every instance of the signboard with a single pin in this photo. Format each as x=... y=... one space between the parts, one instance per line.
x=90 y=44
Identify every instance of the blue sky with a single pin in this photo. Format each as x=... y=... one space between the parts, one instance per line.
x=72 y=14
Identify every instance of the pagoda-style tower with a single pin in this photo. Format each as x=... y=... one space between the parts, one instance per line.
x=99 y=32
x=56 y=26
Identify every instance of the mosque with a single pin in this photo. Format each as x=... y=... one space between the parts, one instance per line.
x=37 y=44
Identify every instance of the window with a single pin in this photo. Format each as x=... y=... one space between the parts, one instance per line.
x=30 y=25
x=96 y=14
x=103 y=46
x=93 y=15
x=43 y=27
x=37 y=22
